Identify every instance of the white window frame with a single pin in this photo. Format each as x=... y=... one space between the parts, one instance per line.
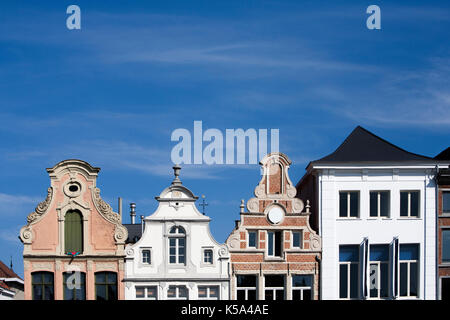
x=378 y=264
x=444 y=213
x=408 y=277
x=208 y=292
x=274 y=244
x=348 y=264
x=256 y=239
x=204 y=256
x=378 y=192
x=300 y=232
x=348 y=216
x=442 y=229
x=247 y=289
x=146 y=297
x=303 y=288
x=409 y=216
x=177 y=292
x=275 y=289
x=142 y=256
x=177 y=236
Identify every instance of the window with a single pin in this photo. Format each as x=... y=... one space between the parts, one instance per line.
x=297 y=239
x=177 y=245
x=446 y=201
x=274 y=287
x=379 y=271
x=348 y=271
x=177 y=293
x=446 y=246
x=409 y=273
x=74 y=284
x=149 y=293
x=348 y=204
x=409 y=203
x=42 y=286
x=379 y=203
x=146 y=256
x=106 y=286
x=252 y=239
x=208 y=256
x=208 y=292
x=274 y=243
x=73 y=232
x=246 y=287
x=302 y=287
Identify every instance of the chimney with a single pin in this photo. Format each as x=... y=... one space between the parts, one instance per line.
x=120 y=209
x=142 y=225
x=132 y=212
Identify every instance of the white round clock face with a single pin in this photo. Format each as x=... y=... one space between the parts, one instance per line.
x=275 y=215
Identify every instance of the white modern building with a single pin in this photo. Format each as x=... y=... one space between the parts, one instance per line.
x=375 y=209
x=176 y=257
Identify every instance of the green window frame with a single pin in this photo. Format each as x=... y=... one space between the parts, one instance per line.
x=42 y=284
x=73 y=231
x=106 y=286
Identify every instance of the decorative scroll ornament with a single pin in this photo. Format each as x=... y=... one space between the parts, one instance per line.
x=41 y=208
x=26 y=235
x=223 y=251
x=104 y=208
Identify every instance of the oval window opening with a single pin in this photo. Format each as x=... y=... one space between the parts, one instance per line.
x=73 y=188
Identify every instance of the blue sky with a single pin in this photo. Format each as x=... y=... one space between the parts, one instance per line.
x=113 y=92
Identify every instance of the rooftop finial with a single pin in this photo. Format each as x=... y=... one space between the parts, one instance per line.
x=242 y=206
x=176 y=172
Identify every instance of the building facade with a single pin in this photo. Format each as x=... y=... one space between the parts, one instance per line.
x=176 y=258
x=275 y=255
x=443 y=228
x=73 y=242
x=375 y=208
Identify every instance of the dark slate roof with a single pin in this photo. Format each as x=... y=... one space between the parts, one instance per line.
x=444 y=155
x=134 y=232
x=364 y=146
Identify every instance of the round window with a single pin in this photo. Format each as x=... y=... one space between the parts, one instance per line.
x=275 y=214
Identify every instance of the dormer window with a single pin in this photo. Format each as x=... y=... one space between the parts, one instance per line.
x=177 y=245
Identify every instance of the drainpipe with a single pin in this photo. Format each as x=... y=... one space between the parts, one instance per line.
x=318 y=260
x=437 y=232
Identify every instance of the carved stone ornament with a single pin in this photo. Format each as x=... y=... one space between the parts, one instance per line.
x=105 y=266
x=130 y=252
x=223 y=251
x=253 y=205
x=234 y=242
x=291 y=191
x=314 y=241
x=41 y=208
x=297 y=205
x=104 y=208
x=26 y=234
x=39 y=266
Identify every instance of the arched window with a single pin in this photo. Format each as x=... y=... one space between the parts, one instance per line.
x=106 y=286
x=74 y=284
x=177 y=245
x=42 y=285
x=73 y=232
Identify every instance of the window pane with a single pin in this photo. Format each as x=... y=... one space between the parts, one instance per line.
x=241 y=294
x=171 y=292
x=101 y=291
x=279 y=295
x=182 y=292
x=274 y=281
x=409 y=251
x=374 y=204
x=343 y=280
x=246 y=281
x=251 y=295
x=384 y=278
x=302 y=281
x=446 y=245
x=112 y=277
x=270 y=236
x=379 y=252
x=413 y=279
x=112 y=292
x=343 y=204
x=307 y=294
x=403 y=279
x=202 y=292
x=353 y=281
x=151 y=292
x=349 y=253
x=403 y=204
x=48 y=277
x=140 y=292
x=354 y=204
x=48 y=295
x=214 y=292
x=37 y=292
x=414 y=203
x=269 y=295
x=73 y=232
x=252 y=239
x=296 y=294
x=100 y=277
x=446 y=201
x=296 y=239
x=278 y=243
x=373 y=278
x=384 y=203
